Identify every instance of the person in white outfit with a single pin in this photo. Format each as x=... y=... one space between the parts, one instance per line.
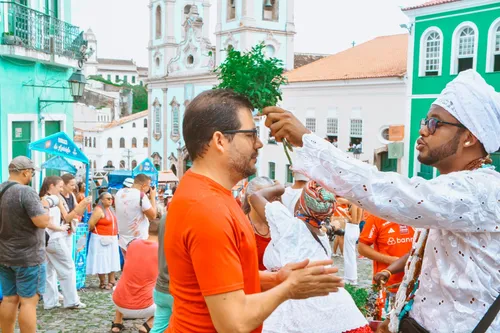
x=60 y=265
x=294 y=239
x=292 y=193
x=353 y=216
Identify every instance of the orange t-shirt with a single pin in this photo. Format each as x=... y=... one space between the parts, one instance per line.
x=210 y=249
x=135 y=288
x=388 y=238
x=262 y=243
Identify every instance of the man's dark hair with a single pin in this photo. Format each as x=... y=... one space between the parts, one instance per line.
x=211 y=111
x=141 y=179
x=67 y=177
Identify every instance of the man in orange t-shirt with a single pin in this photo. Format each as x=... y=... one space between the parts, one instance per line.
x=390 y=242
x=210 y=244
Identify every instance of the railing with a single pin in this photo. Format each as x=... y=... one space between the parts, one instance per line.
x=41 y=32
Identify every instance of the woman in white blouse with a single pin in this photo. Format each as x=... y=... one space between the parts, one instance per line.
x=294 y=239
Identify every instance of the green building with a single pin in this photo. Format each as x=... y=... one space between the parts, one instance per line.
x=447 y=37
x=39 y=50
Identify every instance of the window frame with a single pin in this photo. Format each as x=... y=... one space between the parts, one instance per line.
x=493 y=31
x=423 y=51
x=456 y=44
x=110 y=143
x=158 y=23
x=273 y=175
x=315 y=123
x=122 y=142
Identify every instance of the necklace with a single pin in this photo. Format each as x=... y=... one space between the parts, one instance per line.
x=255 y=229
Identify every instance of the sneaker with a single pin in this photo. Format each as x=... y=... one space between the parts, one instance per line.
x=77 y=306
x=61 y=297
x=58 y=305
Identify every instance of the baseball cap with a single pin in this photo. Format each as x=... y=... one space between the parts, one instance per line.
x=22 y=163
x=128 y=182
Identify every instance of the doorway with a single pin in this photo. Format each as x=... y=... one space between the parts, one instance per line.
x=51 y=127
x=21 y=138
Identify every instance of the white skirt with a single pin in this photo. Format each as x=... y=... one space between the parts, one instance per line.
x=103 y=259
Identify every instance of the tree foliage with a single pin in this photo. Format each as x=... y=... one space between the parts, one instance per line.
x=253 y=75
x=140 y=93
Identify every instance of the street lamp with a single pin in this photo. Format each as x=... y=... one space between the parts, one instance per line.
x=77 y=83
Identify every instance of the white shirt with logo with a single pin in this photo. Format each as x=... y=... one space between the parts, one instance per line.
x=132 y=223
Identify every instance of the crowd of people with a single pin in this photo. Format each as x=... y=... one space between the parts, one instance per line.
x=211 y=264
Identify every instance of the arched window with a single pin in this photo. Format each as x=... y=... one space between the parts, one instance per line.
x=175 y=118
x=270 y=10
x=122 y=143
x=157 y=119
x=86 y=141
x=231 y=10
x=158 y=22
x=145 y=123
x=94 y=142
x=464 y=47
x=122 y=164
x=110 y=143
x=134 y=164
x=133 y=125
x=145 y=143
x=493 y=56
x=431 y=53
x=95 y=165
x=134 y=143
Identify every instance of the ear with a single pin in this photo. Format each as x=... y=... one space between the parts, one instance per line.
x=470 y=140
x=219 y=142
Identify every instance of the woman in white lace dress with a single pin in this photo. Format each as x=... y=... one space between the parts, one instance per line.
x=294 y=239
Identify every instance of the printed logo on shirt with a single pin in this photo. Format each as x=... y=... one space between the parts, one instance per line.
x=371 y=232
x=387 y=222
x=403 y=230
x=394 y=241
x=391 y=231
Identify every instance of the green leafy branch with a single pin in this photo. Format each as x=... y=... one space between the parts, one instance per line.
x=255 y=76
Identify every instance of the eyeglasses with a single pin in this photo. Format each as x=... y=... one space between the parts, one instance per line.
x=433 y=123
x=107 y=198
x=252 y=131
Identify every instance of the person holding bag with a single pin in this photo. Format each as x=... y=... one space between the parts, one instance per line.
x=60 y=265
x=103 y=256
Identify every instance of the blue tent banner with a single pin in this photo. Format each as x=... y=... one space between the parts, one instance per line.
x=59 y=163
x=146 y=167
x=59 y=144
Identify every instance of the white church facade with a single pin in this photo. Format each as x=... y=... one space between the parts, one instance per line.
x=182 y=59
x=351 y=97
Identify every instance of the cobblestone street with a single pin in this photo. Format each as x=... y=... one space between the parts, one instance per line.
x=99 y=313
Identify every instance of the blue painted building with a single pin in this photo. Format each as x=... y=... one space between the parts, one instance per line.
x=39 y=49
x=182 y=59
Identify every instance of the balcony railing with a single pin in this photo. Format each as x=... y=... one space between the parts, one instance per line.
x=35 y=30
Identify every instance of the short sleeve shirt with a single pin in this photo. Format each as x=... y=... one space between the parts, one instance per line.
x=132 y=223
x=210 y=249
x=21 y=242
x=388 y=238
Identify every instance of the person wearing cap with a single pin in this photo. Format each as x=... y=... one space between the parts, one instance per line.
x=292 y=193
x=23 y=219
x=452 y=275
x=135 y=205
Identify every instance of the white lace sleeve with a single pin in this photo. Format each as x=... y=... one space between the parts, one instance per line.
x=461 y=201
x=279 y=218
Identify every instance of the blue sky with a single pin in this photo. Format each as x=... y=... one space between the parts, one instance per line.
x=323 y=26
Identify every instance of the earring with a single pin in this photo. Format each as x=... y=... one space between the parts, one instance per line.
x=467 y=143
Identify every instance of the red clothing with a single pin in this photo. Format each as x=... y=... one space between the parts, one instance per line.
x=105 y=226
x=262 y=243
x=388 y=238
x=210 y=249
x=134 y=290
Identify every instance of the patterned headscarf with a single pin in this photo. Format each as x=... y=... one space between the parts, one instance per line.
x=316 y=203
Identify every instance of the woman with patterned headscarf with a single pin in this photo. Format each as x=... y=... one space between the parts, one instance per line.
x=296 y=238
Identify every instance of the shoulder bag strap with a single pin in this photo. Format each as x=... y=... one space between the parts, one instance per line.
x=317 y=239
x=488 y=318
x=5 y=190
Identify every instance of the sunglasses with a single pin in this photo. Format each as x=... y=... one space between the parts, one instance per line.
x=433 y=123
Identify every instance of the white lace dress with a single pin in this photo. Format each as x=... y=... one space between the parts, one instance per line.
x=291 y=241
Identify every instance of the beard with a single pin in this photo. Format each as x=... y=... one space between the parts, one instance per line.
x=440 y=153
x=242 y=165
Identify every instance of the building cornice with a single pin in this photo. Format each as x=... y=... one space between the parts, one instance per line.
x=345 y=83
x=447 y=7
x=254 y=29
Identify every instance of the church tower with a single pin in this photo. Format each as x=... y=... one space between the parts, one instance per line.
x=241 y=24
x=168 y=30
x=90 y=67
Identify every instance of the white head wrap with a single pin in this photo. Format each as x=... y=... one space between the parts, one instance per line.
x=476 y=105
